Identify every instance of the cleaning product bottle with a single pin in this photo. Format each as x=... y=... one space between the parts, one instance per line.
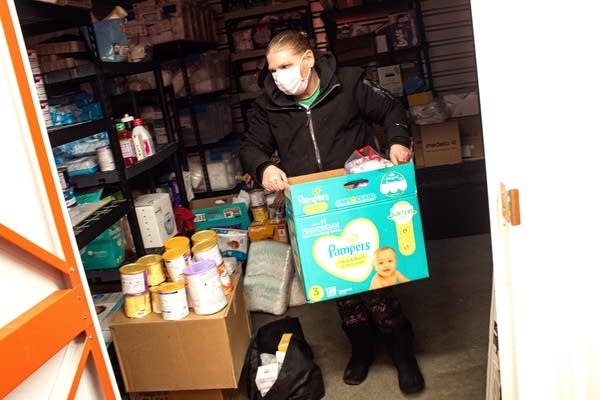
x=144 y=137
x=126 y=144
x=128 y=121
x=138 y=143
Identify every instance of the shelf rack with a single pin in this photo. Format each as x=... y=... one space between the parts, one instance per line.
x=100 y=221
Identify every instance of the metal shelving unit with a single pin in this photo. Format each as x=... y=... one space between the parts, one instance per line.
x=39 y=17
x=100 y=221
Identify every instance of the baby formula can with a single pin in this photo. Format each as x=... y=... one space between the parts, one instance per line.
x=173 y=300
x=155 y=299
x=70 y=199
x=175 y=263
x=206 y=247
x=133 y=278
x=106 y=161
x=204 y=286
x=137 y=305
x=155 y=272
x=180 y=242
x=64 y=178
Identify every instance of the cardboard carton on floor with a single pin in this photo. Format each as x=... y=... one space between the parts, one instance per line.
x=471 y=136
x=198 y=352
x=344 y=227
x=437 y=144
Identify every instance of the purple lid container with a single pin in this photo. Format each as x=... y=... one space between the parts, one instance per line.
x=199 y=267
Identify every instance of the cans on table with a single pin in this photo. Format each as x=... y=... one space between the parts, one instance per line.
x=206 y=246
x=133 y=278
x=204 y=286
x=182 y=242
x=175 y=262
x=137 y=305
x=155 y=271
x=173 y=300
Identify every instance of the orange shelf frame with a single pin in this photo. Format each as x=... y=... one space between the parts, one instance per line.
x=31 y=339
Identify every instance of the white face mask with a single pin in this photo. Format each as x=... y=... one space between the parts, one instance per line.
x=290 y=80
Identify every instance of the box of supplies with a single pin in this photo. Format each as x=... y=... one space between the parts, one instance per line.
x=355 y=233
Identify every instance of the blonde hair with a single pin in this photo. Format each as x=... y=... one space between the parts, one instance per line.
x=297 y=41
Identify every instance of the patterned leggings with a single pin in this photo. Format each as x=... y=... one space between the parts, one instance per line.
x=380 y=307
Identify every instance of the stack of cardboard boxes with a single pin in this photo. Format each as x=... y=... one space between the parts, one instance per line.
x=451 y=141
x=160 y=21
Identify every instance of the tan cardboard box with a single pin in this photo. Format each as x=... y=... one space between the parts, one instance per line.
x=268 y=230
x=439 y=144
x=197 y=352
x=471 y=136
x=215 y=394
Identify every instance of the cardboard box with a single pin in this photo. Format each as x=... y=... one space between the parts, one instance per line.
x=438 y=144
x=215 y=394
x=219 y=212
x=390 y=78
x=348 y=49
x=268 y=230
x=154 y=212
x=340 y=224
x=198 y=352
x=419 y=99
x=471 y=136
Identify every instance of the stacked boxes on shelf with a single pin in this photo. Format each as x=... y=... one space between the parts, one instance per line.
x=160 y=21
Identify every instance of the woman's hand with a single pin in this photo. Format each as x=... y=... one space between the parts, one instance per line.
x=400 y=154
x=274 y=179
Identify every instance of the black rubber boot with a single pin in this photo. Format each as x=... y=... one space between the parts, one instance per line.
x=400 y=346
x=362 y=339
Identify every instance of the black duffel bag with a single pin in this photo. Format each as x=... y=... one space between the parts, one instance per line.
x=299 y=377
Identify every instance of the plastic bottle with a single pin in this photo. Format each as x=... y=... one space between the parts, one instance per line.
x=128 y=121
x=144 y=137
x=126 y=144
x=138 y=143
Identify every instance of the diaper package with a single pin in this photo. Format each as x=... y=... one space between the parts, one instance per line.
x=268 y=277
x=355 y=233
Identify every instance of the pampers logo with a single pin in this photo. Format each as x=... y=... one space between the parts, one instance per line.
x=393 y=184
x=317 y=203
x=349 y=255
x=335 y=251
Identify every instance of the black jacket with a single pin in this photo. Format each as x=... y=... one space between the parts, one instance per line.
x=340 y=120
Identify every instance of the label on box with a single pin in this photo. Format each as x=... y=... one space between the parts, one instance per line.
x=390 y=78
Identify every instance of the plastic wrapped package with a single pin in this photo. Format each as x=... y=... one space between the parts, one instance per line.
x=196 y=175
x=430 y=113
x=268 y=277
x=81 y=166
x=297 y=296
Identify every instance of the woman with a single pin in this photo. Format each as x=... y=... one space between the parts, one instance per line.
x=313 y=115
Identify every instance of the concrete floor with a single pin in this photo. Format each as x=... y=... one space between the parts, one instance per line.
x=450 y=315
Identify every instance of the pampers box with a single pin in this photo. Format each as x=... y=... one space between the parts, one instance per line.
x=354 y=233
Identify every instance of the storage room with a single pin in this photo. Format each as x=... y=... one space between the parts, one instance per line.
x=269 y=199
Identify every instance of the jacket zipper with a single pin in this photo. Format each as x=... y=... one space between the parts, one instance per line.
x=311 y=127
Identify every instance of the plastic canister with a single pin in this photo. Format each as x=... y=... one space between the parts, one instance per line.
x=133 y=278
x=175 y=263
x=173 y=300
x=155 y=271
x=137 y=305
x=182 y=242
x=204 y=287
x=106 y=161
x=206 y=246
